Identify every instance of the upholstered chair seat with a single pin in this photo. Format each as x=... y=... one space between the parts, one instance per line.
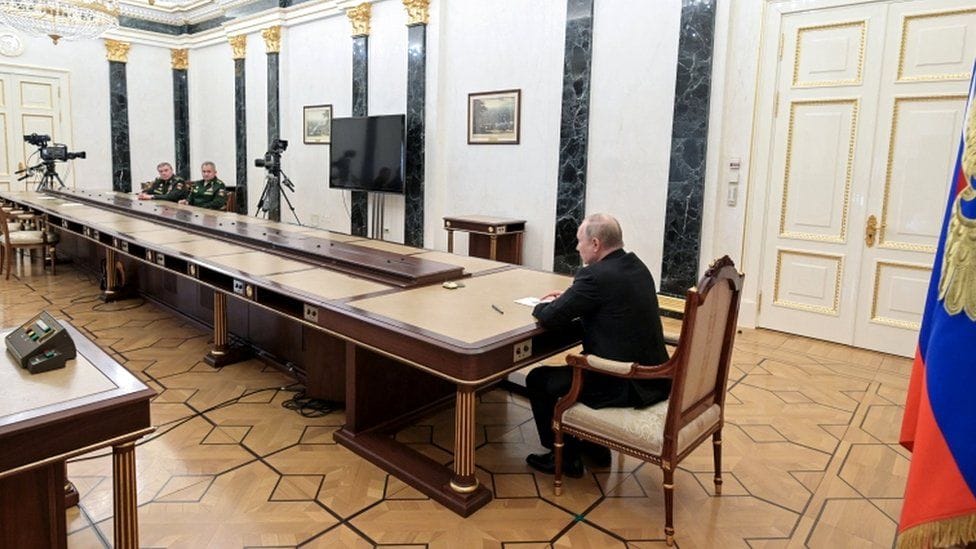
x=14 y=238
x=666 y=432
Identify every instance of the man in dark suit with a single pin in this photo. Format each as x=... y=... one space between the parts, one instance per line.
x=614 y=297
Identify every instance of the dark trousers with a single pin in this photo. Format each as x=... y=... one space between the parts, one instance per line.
x=547 y=384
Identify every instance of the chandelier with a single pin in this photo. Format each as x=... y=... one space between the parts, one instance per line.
x=68 y=19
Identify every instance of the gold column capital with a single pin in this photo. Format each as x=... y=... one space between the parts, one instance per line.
x=359 y=17
x=272 y=39
x=239 y=45
x=117 y=51
x=417 y=11
x=180 y=58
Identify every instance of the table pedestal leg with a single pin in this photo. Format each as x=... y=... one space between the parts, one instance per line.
x=111 y=292
x=124 y=496
x=221 y=354
x=464 y=480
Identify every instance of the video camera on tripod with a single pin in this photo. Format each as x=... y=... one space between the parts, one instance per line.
x=56 y=152
x=275 y=178
x=272 y=158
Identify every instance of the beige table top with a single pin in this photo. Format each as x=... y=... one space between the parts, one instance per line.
x=21 y=391
x=387 y=246
x=471 y=265
x=206 y=248
x=128 y=225
x=327 y=284
x=167 y=236
x=466 y=314
x=259 y=263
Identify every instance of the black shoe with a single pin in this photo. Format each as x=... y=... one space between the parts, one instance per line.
x=546 y=463
x=597 y=456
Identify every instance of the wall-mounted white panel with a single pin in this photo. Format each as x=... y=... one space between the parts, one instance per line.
x=149 y=77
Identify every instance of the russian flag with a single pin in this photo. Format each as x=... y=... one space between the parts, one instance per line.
x=939 y=426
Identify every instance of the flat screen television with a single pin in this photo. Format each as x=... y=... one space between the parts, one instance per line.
x=367 y=153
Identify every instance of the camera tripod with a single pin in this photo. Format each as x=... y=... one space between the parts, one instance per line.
x=270 y=202
x=47 y=180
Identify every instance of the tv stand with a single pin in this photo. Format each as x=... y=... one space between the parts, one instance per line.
x=495 y=238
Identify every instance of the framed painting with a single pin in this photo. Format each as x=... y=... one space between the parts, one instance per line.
x=317 y=121
x=494 y=117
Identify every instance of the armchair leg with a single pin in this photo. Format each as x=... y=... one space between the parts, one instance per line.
x=717 y=451
x=557 y=481
x=669 y=507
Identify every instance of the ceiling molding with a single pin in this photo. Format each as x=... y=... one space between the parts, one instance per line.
x=286 y=17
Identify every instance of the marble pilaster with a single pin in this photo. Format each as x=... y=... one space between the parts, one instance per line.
x=272 y=41
x=413 y=233
x=360 y=107
x=119 y=120
x=240 y=134
x=689 y=135
x=573 y=133
x=181 y=123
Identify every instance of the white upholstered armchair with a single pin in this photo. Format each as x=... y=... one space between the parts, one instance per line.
x=666 y=432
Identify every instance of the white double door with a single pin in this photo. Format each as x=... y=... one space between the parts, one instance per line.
x=869 y=104
x=30 y=102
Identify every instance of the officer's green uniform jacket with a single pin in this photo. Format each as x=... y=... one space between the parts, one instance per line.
x=177 y=192
x=206 y=194
x=161 y=187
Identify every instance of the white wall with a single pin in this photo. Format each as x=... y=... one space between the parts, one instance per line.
x=631 y=109
x=149 y=76
x=316 y=69
x=485 y=46
x=211 y=87
x=472 y=46
x=89 y=102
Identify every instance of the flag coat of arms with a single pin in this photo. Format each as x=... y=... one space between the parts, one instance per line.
x=939 y=426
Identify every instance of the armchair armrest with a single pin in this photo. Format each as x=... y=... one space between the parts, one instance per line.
x=630 y=370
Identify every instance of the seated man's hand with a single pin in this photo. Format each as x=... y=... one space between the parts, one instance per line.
x=144 y=196
x=184 y=201
x=551 y=296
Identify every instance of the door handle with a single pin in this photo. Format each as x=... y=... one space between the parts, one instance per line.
x=871 y=231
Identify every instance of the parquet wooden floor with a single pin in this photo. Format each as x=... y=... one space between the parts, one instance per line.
x=810 y=453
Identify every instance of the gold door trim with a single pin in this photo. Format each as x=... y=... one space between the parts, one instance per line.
x=915 y=326
x=883 y=242
x=795 y=83
x=851 y=150
x=834 y=310
x=904 y=38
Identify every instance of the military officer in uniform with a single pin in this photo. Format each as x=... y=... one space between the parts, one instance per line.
x=206 y=193
x=162 y=185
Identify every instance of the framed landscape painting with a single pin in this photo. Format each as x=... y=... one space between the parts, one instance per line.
x=494 y=117
x=317 y=121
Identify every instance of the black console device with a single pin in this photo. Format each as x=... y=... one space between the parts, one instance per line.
x=41 y=344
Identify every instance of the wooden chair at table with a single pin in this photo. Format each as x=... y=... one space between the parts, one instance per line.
x=14 y=240
x=667 y=432
x=231 y=195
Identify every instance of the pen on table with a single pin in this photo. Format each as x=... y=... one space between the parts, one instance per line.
x=493 y=306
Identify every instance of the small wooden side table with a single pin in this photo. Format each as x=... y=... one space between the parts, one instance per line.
x=495 y=238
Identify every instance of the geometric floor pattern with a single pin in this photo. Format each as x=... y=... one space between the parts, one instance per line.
x=810 y=453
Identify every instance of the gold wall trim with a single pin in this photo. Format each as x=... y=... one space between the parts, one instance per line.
x=833 y=310
x=238 y=45
x=883 y=242
x=829 y=83
x=359 y=17
x=272 y=39
x=180 y=58
x=418 y=11
x=851 y=149
x=874 y=298
x=116 y=50
x=904 y=39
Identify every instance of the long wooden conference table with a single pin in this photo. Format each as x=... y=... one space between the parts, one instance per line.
x=389 y=335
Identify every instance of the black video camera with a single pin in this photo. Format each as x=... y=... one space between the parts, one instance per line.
x=272 y=158
x=59 y=152
x=56 y=152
